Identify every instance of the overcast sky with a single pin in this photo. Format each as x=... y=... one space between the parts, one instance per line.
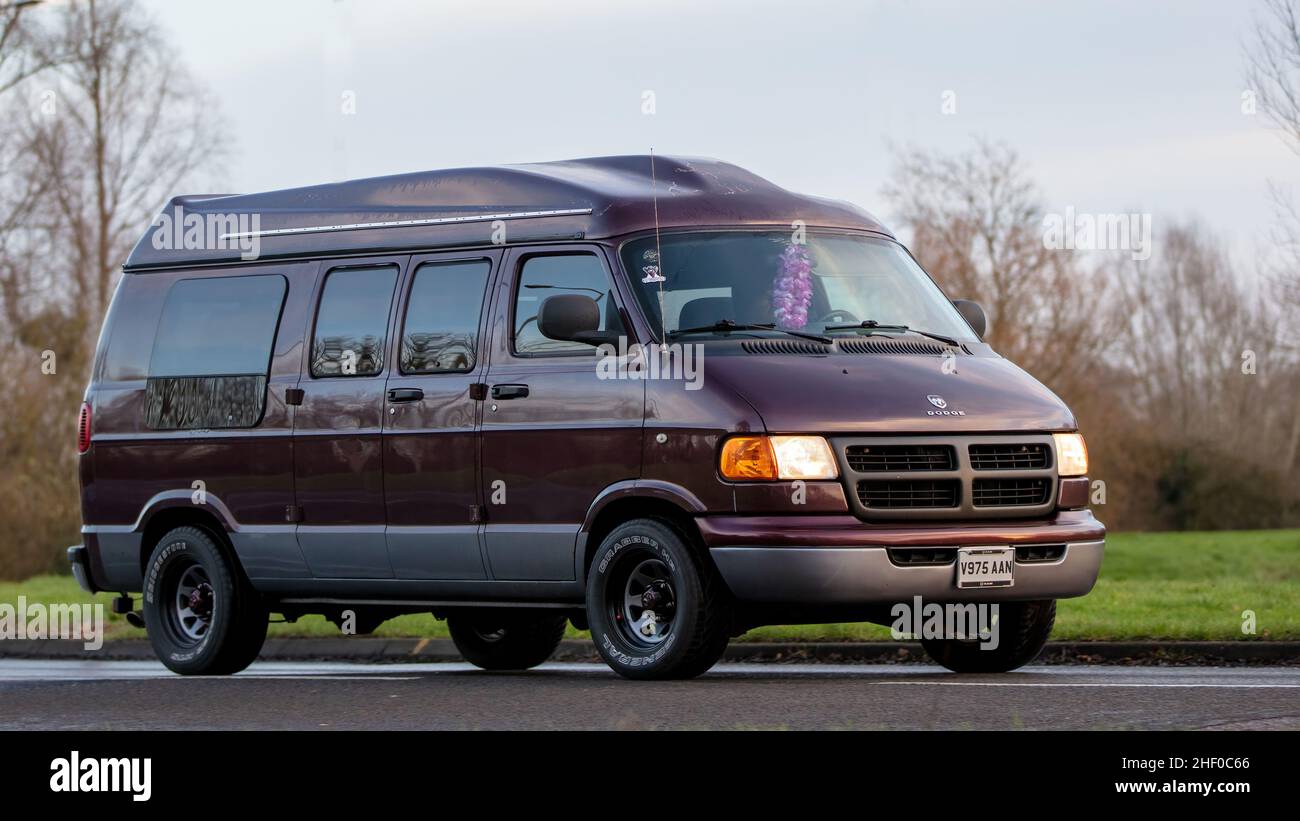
x=1130 y=105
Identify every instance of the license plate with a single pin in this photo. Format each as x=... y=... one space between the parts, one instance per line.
x=985 y=566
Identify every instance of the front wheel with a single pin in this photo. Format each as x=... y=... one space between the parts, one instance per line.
x=504 y=640
x=202 y=615
x=657 y=608
x=1022 y=630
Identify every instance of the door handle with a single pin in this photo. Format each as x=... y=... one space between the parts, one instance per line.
x=405 y=394
x=509 y=391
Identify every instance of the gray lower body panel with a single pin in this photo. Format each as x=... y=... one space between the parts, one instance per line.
x=531 y=552
x=336 y=552
x=270 y=551
x=443 y=552
x=119 y=555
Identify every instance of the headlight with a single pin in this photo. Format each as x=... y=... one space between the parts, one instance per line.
x=1071 y=454
x=804 y=457
x=778 y=457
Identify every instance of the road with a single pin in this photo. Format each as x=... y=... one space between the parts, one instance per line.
x=288 y=695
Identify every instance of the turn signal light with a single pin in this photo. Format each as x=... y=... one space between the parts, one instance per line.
x=778 y=457
x=748 y=457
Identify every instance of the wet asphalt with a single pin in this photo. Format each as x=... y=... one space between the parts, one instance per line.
x=124 y=695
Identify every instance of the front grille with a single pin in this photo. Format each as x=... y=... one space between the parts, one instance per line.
x=900 y=458
x=1009 y=492
x=1039 y=553
x=1027 y=456
x=938 y=477
x=914 y=556
x=907 y=494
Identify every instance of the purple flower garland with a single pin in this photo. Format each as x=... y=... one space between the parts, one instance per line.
x=792 y=289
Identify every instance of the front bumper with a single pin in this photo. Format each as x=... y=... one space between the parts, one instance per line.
x=833 y=560
x=865 y=575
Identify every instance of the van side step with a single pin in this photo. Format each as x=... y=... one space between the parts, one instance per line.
x=533 y=605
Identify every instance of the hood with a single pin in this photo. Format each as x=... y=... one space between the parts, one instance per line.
x=889 y=394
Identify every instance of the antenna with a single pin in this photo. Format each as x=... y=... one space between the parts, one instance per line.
x=659 y=253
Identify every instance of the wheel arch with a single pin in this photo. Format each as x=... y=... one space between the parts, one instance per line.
x=637 y=500
x=167 y=518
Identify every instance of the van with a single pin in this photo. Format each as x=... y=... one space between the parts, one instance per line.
x=662 y=399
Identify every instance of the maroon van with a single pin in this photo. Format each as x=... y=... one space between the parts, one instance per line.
x=664 y=400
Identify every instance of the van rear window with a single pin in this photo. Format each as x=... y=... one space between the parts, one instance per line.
x=222 y=326
x=212 y=353
x=130 y=328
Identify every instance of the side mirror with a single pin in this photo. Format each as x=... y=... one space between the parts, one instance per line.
x=973 y=314
x=573 y=318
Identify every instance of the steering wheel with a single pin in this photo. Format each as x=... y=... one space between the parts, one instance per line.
x=843 y=316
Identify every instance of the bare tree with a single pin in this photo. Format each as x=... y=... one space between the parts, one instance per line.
x=103 y=125
x=977 y=225
x=1188 y=322
x=1273 y=75
x=1183 y=429
x=127 y=125
x=1273 y=67
x=25 y=52
x=1211 y=394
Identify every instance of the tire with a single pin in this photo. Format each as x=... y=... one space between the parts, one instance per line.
x=1023 y=628
x=689 y=631
x=219 y=628
x=505 y=640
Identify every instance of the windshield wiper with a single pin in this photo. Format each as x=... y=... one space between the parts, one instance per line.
x=872 y=325
x=727 y=325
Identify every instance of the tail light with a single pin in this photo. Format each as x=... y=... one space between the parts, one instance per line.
x=83 y=428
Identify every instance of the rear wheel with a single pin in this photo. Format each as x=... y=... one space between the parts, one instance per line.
x=657 y=608
x=1022 y=630
x=201 y=614
x=505 y=640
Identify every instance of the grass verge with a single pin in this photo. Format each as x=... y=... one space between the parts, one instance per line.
x=1163 y=586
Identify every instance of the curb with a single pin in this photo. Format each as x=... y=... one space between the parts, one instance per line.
x=371 y=649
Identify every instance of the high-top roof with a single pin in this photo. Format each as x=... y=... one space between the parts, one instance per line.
x=587 y=198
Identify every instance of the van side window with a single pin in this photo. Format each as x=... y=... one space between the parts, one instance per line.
x=352 y=322
x=440 y=331
x=541 y=277
x=212 y=353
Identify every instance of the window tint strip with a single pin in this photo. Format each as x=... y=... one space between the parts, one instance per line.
x=204 y=402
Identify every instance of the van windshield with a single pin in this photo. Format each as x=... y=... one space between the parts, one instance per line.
x=697 y=279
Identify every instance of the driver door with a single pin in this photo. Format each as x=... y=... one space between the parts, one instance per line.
x=555 y=434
